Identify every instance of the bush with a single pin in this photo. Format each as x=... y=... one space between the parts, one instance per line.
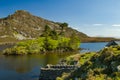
x=39 y=45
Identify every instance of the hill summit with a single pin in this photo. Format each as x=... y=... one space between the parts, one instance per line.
x=23 y=25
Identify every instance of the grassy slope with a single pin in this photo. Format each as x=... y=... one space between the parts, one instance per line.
x=104 y=65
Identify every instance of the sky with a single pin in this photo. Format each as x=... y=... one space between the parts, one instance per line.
x=99 y=18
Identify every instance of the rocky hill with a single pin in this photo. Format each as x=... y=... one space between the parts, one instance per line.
x=23 y=25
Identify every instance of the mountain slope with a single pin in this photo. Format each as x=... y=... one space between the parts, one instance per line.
x=23 y=25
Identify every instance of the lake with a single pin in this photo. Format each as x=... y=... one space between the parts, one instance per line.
x=92 y=46
x=28 y=67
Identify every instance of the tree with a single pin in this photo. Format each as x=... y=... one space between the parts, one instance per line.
x=47 y=31
x=54 y=35
x=74 y=41
x=63 y=26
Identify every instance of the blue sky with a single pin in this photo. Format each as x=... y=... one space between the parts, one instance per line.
x=93 y=17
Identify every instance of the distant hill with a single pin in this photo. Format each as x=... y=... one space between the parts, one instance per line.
x=22 y=25
x=98 y=39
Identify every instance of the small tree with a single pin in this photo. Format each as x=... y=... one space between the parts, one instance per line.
x=47 y=31
x=54 y=34
x=74 y=41
x=63 y=26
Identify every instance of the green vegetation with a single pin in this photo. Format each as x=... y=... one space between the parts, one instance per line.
x=49 y=41
x=104 y=65
x=82 y=58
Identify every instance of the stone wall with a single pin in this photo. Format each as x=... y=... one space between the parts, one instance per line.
x=52 y=74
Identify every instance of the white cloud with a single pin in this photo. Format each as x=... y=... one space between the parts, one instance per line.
x=116 y=25
x=97 y=24
x=103 y=30
x=76 y=28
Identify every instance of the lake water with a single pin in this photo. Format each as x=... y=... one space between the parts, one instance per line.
x=25 y=67
x=28 y=67
x=93 y=46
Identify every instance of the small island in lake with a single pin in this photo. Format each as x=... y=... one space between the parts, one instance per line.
x=50 y=40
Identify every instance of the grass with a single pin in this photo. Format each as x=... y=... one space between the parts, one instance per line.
x=102 y=65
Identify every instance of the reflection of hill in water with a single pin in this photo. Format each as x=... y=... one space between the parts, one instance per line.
x=24 y=64
x=20 y=64
x=4 y=46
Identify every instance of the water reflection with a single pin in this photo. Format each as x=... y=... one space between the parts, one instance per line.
x=26 y=67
